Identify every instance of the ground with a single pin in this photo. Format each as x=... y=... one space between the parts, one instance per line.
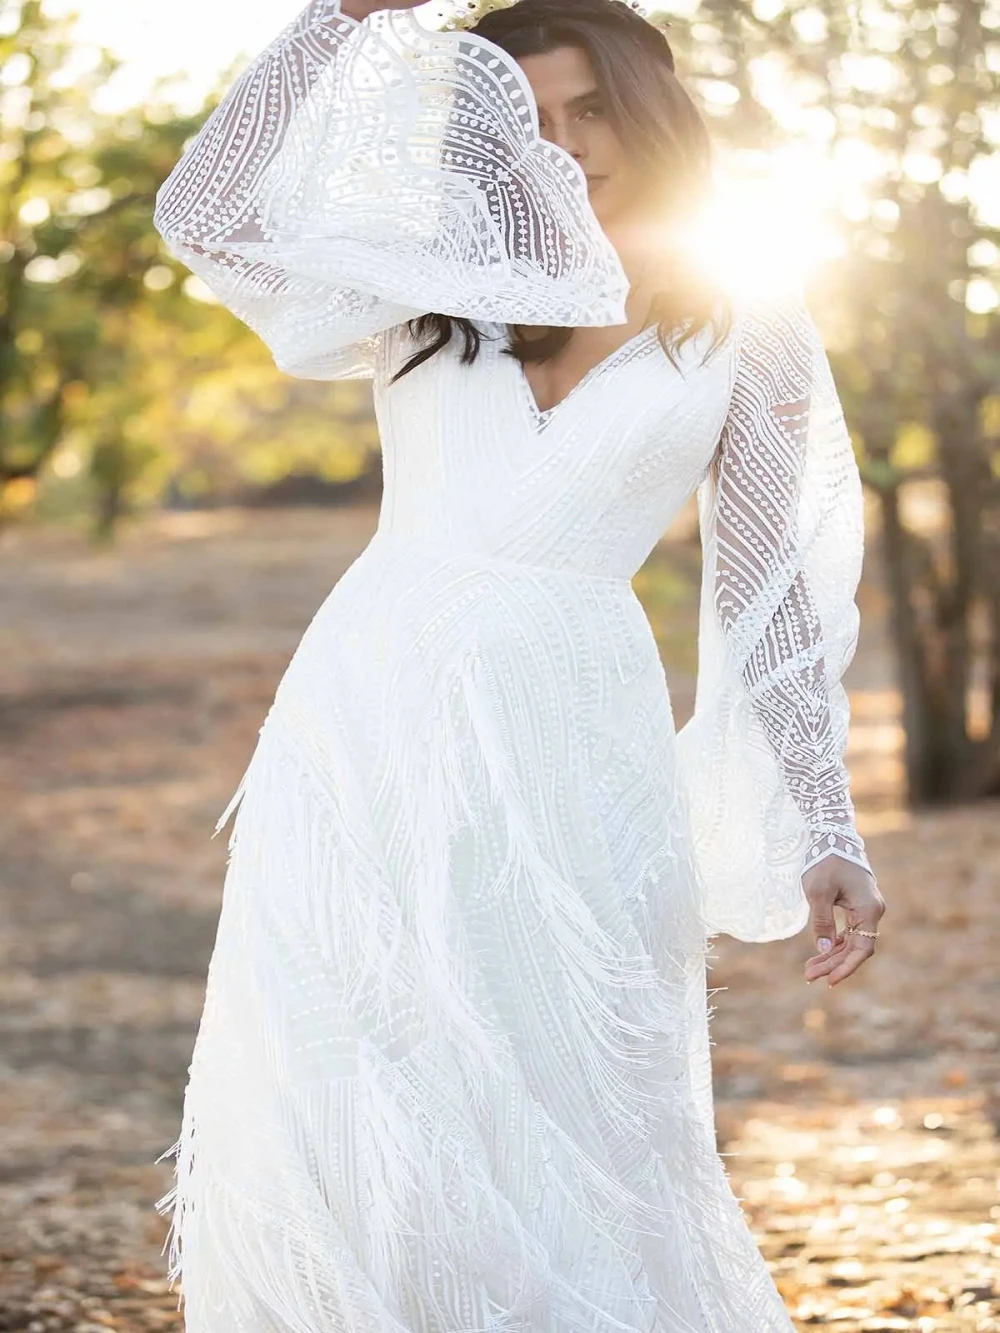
x=860 y=1124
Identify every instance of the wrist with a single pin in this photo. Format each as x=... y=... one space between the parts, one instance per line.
x=847 y=845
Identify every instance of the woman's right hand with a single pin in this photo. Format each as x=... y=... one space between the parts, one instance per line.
x=837 y=882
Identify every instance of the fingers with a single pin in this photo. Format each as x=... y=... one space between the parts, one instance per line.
x=822 y=964
x=857 y=954
x=846 y=956
x=823 y=925
x=828 y=886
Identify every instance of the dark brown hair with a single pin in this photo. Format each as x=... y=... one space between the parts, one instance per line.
x=656 y=120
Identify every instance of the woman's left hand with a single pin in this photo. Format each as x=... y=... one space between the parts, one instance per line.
x=837 y=882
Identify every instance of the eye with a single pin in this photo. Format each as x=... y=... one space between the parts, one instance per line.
x=595 y=110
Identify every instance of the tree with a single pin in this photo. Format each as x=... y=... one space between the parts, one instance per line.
x=925 y=372
x=904 y=92
x=76 y=190
x=41 y=343
x=111 y=355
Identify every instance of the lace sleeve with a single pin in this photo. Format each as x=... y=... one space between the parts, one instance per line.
x=360 y=173
x=781 y=522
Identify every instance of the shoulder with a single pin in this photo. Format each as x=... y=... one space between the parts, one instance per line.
x=778 y=343
x=779 y=314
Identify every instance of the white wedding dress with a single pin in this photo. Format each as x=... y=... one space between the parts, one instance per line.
x=453 y=1070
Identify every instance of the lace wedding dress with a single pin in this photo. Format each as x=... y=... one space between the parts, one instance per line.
x=453 y=1070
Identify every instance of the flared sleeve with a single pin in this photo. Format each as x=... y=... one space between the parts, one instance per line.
x=358 y=174
x=781 y=518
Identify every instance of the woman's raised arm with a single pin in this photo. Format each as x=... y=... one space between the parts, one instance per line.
x=365 y=169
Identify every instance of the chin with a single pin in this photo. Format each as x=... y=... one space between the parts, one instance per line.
x=601 y=200
x=605 y=211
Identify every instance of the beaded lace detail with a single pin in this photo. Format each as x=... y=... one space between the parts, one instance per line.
x=761 y=545
x=360 y=173
x=453 y=1068
x=781 y=518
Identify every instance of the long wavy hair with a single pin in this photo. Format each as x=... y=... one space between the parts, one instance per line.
x=658 y=124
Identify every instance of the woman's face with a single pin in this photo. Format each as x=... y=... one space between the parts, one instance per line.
x=571 y=115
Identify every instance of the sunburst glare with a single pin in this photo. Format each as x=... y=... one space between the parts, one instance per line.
x=769 y=226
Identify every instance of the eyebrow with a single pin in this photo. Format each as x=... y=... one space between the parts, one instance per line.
x=591 y=95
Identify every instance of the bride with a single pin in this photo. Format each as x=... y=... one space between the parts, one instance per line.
x=453 y=1073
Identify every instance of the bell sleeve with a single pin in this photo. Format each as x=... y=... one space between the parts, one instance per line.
x=781 y=520
x=358 y=174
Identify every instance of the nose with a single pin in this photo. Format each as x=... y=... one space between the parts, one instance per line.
x=567 y=137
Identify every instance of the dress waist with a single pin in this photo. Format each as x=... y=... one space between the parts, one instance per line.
x=471 y=558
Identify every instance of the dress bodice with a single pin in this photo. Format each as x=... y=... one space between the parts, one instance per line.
x=590 y=484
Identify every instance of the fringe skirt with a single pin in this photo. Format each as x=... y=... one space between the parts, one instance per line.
x=453 y=1072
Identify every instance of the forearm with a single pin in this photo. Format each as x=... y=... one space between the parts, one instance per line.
x=804 y=720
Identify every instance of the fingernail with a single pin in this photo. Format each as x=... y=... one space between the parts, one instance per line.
x=825 y=945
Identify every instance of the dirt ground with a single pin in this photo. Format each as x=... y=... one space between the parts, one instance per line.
x=861 y=1126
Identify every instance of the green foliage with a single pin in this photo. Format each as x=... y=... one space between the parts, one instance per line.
x=120 y=379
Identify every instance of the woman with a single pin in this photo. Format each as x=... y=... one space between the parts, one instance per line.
x=453 y=1069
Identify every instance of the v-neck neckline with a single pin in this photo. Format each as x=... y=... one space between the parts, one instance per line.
x=543 y=416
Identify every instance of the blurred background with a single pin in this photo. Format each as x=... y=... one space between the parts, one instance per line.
x=173 y=511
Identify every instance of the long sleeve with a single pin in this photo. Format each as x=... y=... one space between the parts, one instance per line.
x=781 y=519
x=359 y=174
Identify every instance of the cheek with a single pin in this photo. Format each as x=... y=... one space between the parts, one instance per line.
x=627 y=186
x=633 y=181
x=606 y=149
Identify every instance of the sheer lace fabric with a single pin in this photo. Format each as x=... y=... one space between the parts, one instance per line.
x=453 y=1069
x=781 y=521
x=358 y=174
